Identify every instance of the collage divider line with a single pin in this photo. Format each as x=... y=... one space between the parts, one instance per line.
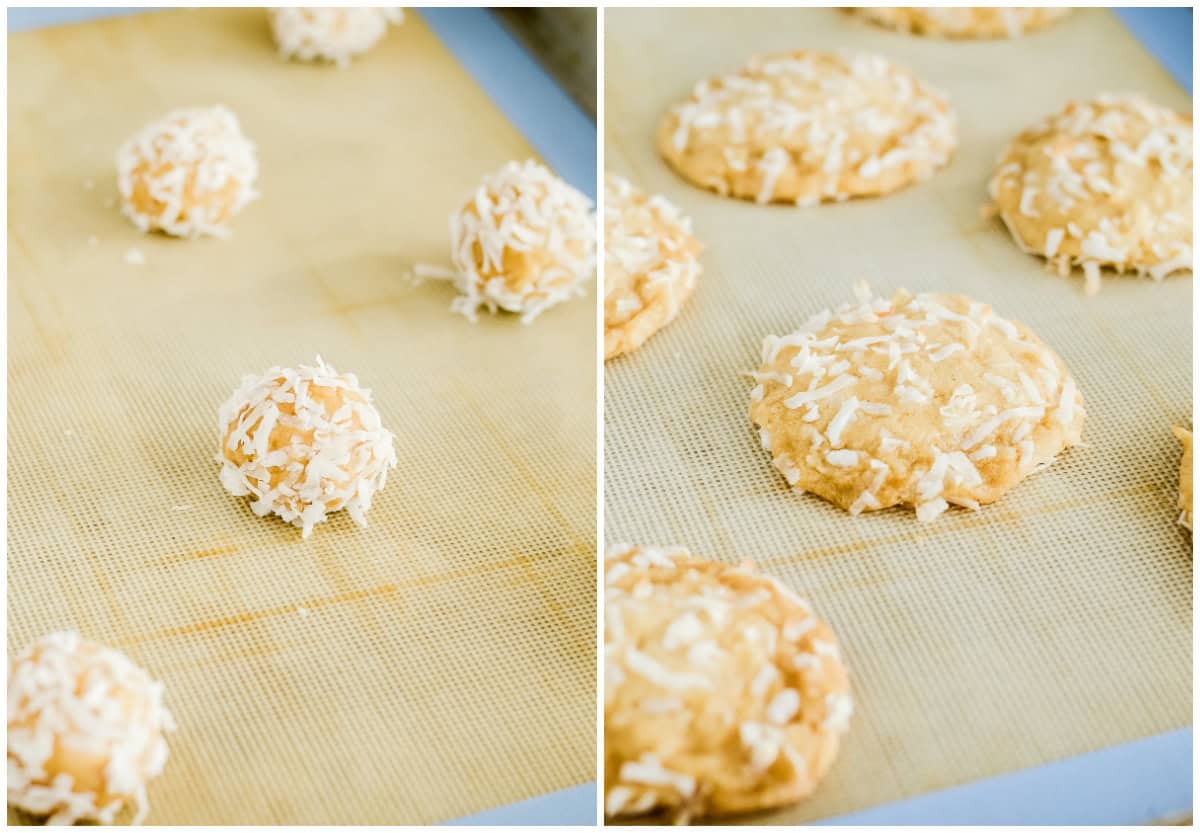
x=599 y=555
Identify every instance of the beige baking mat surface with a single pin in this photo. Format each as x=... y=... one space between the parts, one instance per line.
x=438 y=663
x=1055 y=622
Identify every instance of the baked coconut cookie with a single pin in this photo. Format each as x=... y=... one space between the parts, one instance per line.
x=651 y=262
x=962 y=21
x=723 y=692
x=523 y=242
x=805 y=127
x=86 y=731
x=188 y=173
x=1185 y=478
x=922 y=400
x=1101 y=183
x=304 y=442
x=335 y=35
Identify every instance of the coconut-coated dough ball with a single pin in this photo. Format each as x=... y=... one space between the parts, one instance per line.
x=86 y=731
x=523 y=242
x=188 y=173
x=304 y=442
x=334 y=35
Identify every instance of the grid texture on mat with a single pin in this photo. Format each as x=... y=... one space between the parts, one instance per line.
x=439 y=662
x=1054 y=622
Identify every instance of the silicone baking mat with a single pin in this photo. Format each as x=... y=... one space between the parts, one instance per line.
x=1054 y=622
x=437 y=663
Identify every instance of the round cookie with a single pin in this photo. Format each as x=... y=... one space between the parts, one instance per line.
x=651 y=262
x=723 y=692
x=1102 y=183
x=304 y=442
x=187 y=173
x=86 y=731
x=962 y=21
x=523 y=242
x=805 y=127
x=333 y=34
x=923 y=401
x=1185 y=478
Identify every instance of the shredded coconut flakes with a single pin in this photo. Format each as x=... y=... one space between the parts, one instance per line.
x=65 y=691
x=524 y=242
x=319 y=461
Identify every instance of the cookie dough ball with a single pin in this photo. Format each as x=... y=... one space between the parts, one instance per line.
x=962 y=22
x=188 y=173
x=1185 y=478
x=335 y=35
x=523 y=242
x=723 y=692
x=651 y=262
x=304 y=442
x=1103 y=183
x=807 y=127
x=924 y=401
x=86 y=731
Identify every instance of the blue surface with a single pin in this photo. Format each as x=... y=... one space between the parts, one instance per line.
x=547 y=117
x=33 y=18
x=1134 y=783
x=1167 y=35
x=575 y=806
